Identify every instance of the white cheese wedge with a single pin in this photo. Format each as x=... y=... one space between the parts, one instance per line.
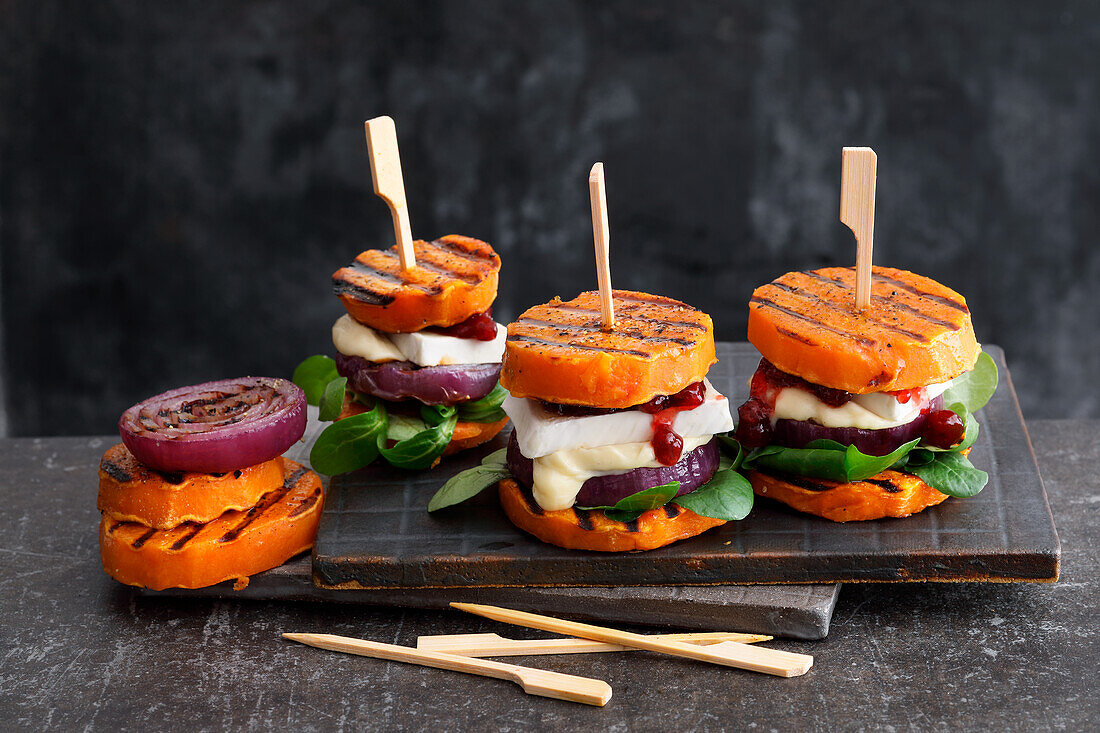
x=435 y=349
x=886 y=406
x=540 y=433
x=558 y=477
x=872 y=411
x=352 y=338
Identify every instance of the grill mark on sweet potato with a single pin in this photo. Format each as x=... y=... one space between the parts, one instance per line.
x=887 y=301
x=529 y=498
x=397 y=279
x=758 y=300
x=596 y=328
x=182 y=541
x=439 y=268
x=307 y=503
x=632 y=525
x=266 y=502
x=825 y=302
x=341 y=287
x=796 y=336
x=885 y=484
x=582 y=347
x=145 y=537
x=584 y=520
x=672 y=510
x=628 y=316
x=454 y=248
x=960 y=307
x=115 y=471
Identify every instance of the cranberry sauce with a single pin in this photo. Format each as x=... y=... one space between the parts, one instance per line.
x=667 y=445
x=943 y=429
x=479 y=327
x=755 y=418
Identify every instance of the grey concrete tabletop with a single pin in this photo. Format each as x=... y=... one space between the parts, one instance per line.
x=78 y=651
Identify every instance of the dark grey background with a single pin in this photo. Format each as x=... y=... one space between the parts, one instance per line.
x=179 y=180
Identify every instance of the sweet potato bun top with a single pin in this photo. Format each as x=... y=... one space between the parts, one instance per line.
x=560 y=351
x=916 y=331
x=454 y=278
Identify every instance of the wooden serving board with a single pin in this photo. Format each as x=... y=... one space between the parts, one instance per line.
x=376 y=533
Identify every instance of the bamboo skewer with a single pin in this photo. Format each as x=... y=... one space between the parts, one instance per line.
x=728 y=653
x=598 y=195
x=494 y=645
x=857 y=211
x=389 y=184
x=533 y=681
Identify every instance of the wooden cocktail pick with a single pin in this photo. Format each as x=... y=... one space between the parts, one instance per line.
x=598 y=195
x=385 y=172
x=494 y=645
x=728 y=653
x=533 y=681
x=857 y=211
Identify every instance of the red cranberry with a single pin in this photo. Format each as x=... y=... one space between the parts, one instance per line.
x=943 y=429
x=667 y=445
x=689 y=397
x=754 y=424
x=479 y=327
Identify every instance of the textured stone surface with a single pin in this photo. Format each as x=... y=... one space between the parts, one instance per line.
x=82 y=652
x=180 y=179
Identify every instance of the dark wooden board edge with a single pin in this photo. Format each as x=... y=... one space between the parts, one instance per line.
x=795 y=612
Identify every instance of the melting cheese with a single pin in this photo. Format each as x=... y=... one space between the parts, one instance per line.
x=352 y=338
x=873 y=411
x=558 y=477
x=541 y=433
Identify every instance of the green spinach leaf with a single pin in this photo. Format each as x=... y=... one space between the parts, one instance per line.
x=313 y=374
x=974 y=388
x=953 y=474
x=349 y=444
x=471 y=482
x=421 y=450
x=487 y=409
x=332 y=399
x=728 y=495
x=629 y=508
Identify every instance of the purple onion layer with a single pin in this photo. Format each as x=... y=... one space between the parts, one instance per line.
x=402 y=380
x=693 y=470
x=797 y=433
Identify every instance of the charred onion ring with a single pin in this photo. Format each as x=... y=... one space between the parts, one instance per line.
x=216 y=426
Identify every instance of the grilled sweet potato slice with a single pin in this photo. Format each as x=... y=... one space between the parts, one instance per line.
x=916 y=332
x=560 y=352
x=582 y=529
x=234 y=546
x=454 y=278
x=886 y=494
x=130 y=491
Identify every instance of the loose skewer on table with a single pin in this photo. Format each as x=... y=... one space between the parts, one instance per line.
x=494 y=645
x=533 y=681
x=728 y=653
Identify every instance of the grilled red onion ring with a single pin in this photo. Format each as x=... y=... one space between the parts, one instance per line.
x=402 y=380
x=217 y=426
x=693 y=470
x=797 y=433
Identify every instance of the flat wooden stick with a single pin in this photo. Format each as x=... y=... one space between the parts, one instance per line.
x=494 y=645
x=857 y=211
x=385 y=172
x=598 y=195
x=728 y=653
x=533 y=681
